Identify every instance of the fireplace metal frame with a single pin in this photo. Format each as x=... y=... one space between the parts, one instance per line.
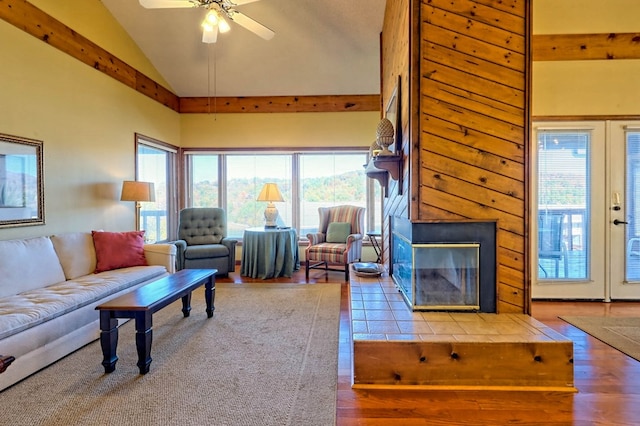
x=483 y=232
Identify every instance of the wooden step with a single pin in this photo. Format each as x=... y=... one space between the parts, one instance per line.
x=395 y=347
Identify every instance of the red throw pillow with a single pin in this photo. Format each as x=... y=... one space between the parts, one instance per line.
x=116 y=250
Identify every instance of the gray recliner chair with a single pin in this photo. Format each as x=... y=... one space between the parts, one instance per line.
x=202 y=241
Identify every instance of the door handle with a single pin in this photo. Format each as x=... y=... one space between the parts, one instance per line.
x=619 y=222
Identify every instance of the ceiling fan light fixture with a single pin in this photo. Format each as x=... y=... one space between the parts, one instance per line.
x=216 y=11
x=212 y=17
x=208 y=27
x=209 y=32
x=223 y=25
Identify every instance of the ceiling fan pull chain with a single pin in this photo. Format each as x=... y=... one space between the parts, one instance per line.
x=209 y=78
x=215 y=84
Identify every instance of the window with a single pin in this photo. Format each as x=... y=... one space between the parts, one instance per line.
x=246 y=175
x=307 y=180
x=156 y=162
x=204 y=187
x=330 y=180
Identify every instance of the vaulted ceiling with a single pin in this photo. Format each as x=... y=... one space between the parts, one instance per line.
x=321 y=47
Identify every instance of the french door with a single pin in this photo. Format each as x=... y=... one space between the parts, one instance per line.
x=586 y=241
x=625 y=211
x=568 y=211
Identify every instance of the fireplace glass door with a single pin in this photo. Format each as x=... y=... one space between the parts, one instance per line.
x=443 y=276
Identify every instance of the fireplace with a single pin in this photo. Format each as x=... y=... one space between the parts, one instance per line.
x=445 y=266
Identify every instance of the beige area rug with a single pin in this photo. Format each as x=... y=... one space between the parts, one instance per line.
x=269 y=356
x=620 y=333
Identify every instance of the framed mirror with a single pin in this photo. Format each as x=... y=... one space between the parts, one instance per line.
x=21 y=182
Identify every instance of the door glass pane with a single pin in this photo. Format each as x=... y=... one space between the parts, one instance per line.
x=563 y=205
x=632 y=203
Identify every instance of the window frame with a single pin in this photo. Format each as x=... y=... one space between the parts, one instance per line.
x=187 y=175
x=172 y=152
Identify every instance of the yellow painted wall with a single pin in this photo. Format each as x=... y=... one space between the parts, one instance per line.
x=279 y=130
x=87 y=121
x=586 y=87
x=585 y=16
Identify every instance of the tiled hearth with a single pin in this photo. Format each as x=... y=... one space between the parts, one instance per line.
x=394 y=346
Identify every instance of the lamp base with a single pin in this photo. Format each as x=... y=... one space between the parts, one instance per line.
x=270 y=216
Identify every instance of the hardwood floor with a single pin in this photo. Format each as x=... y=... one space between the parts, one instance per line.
x=608 y=381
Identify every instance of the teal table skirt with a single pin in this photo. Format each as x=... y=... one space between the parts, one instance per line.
x=269 y=253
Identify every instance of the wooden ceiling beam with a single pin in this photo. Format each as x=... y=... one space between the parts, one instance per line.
x=264 y=104
x=584 y=47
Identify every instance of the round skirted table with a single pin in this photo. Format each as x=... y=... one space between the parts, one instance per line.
x=269 y=253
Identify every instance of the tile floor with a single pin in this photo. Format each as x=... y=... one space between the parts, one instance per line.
x=379 y=312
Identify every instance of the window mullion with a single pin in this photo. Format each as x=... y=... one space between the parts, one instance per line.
x=222 y=181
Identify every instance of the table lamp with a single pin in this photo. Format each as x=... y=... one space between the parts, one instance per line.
x=138 y=192
x=270 y=193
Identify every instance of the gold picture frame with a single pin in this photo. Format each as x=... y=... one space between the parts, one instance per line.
x=21 y=182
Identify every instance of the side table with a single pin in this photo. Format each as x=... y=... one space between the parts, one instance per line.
x=373 y=237
x=269 y=252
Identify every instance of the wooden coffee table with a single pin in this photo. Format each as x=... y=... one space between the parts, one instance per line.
x=141 y=303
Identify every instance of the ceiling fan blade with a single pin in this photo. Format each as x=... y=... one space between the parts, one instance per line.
x=253 y=26
x=241 y=2
x=165 y=4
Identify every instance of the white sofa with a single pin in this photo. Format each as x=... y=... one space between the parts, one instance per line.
x=48 y=295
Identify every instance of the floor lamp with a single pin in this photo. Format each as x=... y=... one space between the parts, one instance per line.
x=138 y=192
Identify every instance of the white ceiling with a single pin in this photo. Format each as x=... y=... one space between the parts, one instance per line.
x=321 y=47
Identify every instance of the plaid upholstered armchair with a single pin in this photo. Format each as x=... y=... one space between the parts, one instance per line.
x=338 y=240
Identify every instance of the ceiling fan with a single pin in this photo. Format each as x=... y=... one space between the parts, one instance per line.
x=214 y=21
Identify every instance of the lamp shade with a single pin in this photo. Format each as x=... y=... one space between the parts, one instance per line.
x=270 y=192
x=137 y=191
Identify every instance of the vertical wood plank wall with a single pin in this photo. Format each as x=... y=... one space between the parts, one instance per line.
x=395 y=48
x=466 y=156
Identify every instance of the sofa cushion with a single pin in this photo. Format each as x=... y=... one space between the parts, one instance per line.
x=76 y=253
x=22 y=311
x=28 y=264
x=116 y=250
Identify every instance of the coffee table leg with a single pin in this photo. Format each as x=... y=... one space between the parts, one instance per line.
x=186 y=305
x=210 y=295
x=144 y=337
x=108 y=340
